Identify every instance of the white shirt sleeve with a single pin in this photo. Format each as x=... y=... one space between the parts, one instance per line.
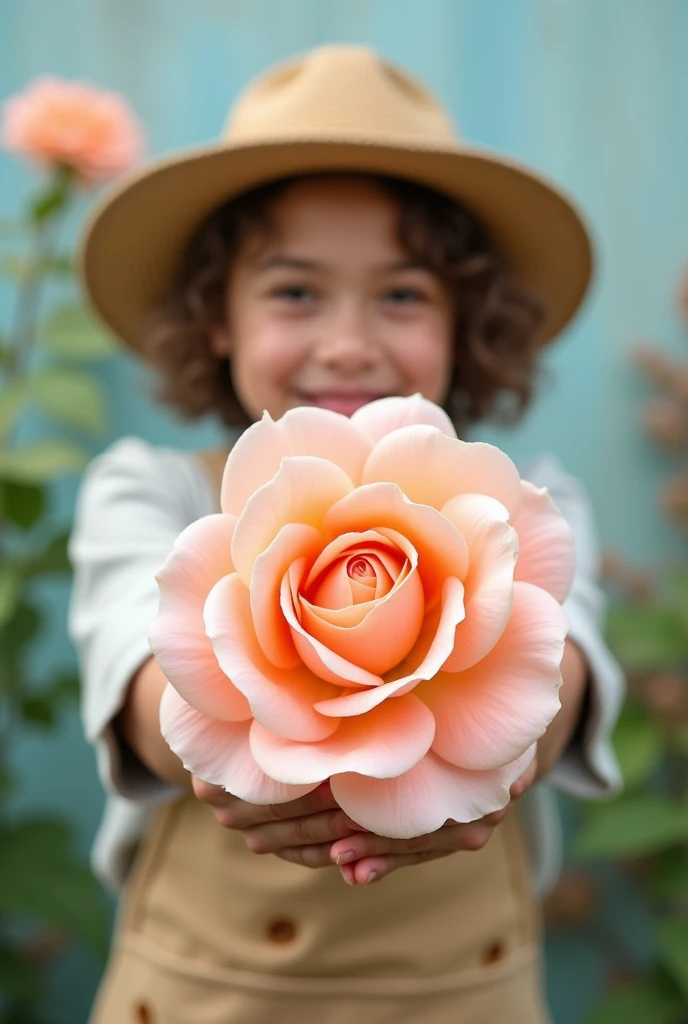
x=588 y=768
x=132 y=504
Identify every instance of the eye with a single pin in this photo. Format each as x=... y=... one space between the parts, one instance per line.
x=297 y=293
x=404 y=295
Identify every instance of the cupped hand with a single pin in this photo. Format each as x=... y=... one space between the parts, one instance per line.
x=366 y=858
x=315 y=832
x=301 y=830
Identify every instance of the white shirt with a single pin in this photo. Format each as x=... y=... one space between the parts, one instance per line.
x=134 y=500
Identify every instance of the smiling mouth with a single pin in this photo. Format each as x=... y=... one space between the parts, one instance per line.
x=344 y=402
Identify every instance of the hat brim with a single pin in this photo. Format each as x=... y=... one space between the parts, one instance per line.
x=136 y=236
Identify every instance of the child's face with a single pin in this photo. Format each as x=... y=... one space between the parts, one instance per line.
x=332 y=312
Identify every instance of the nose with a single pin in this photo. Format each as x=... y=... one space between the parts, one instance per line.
x=346 y=343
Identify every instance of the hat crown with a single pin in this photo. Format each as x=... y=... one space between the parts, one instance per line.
x=339 y=90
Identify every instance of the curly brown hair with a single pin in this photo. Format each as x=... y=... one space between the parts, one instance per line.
x=496 y=320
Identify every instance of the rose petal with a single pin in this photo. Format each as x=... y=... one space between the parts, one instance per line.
x=423 y=662
x=200 y=556
x=386 y=742
x=219 y=752
x=318 y=658
x=493 y=546
x=383 y=416
x=349 y=543
x=385 y=635
x=431 y=468
x=547 y=554
x=302 y=491
x=442 y=551
x=279 y=698
x=424 y=798
x=257 y=454
x=295 y=540
x=490 y=714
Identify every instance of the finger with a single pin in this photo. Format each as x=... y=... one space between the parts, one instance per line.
x=327 y=826
x=451 y=837
x=519 y=787
x=314 y=856
x=234 y=813
x=372 y=869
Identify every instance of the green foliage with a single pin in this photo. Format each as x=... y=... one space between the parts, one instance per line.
x=638 y=744
x=649 y=638
x=649 y=820
x=72 y=333
x=9 y=591
x=652 y=1000
x=71 y=397
x=632 y=826
x=672 y=935
x=41 y=877
x=41 y=461
x=43 y=883
x=21 y=504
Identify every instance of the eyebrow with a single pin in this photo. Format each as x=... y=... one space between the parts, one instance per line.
x=299 y=263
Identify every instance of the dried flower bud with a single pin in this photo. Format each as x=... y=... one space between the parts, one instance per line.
x=654 y=364
x=678 y=385
x=667 y=694
x=674 y=500
x=666 y=422
x=636 y=585
x=572 y=901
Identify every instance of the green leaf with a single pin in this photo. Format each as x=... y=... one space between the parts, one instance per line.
x=18 y=632
x=8 y=783
x=638 y=742
x=670 y=876
x=632 y=826
x=22 y=504
x=72 y=333
x=55 y=196
x=72 y=397
x=40 y=877
x=65 y=689
x=672 y=936
x=43 y=708
x=37 y=711
x=10 y=585
x=41 y=461
x=19 y=978
x=19 y=266
x=12 y=403
x=649 y=1001
x=680 y=740
x=53 y=559
x=647 y=638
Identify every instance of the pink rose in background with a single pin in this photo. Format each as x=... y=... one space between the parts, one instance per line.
x=74 y=124
x=378 y=604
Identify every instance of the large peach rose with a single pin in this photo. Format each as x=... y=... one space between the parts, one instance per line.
x=74 y=124
x=378 y=604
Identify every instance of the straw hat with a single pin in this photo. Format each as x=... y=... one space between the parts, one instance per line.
x=337 y=108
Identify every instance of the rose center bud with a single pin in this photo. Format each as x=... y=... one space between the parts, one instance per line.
x=360 y=569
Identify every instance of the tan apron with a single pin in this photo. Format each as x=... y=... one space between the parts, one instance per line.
x=209 y=933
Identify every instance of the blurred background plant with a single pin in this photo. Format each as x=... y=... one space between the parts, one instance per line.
x=643 y=834
x=77 y=136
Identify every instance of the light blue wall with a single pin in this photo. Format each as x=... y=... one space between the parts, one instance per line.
x=594 y=92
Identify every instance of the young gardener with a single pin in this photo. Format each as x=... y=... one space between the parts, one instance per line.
x=340 y=244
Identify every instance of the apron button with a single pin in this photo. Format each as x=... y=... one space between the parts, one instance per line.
x=494 y=953
x=282 y=929
x=143 y=1014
